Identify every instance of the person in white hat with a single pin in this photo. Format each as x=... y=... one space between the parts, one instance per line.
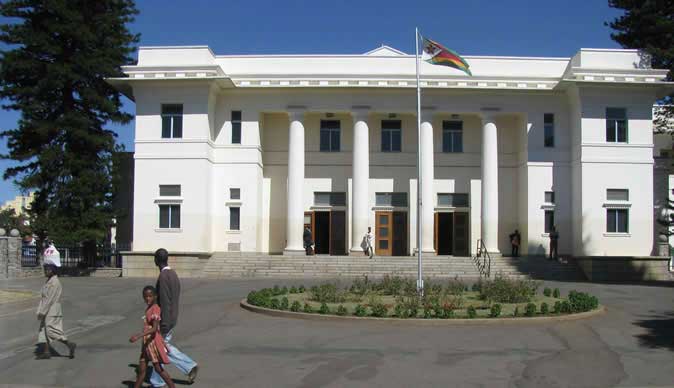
x=49 y=311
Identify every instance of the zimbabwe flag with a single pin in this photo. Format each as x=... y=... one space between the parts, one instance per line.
x=437 y=54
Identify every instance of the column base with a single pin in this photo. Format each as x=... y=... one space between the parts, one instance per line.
x=424 y=251
x=356 y=251
x=294 y=252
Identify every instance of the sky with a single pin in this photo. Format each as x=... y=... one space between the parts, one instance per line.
x=478 y=27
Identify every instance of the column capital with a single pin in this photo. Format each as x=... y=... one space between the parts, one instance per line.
x=489 y=114
x=427 y=113
x=296 y=112
x=360 y=112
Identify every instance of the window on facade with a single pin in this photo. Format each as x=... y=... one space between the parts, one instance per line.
x=549 y=129
x=549 y=197
x=169 y=216
x=329 y=199
x=616 y=125
x=617 y=195
x=234 y=193
x=617 y=220
x=330 y=135
x=234 y=218
x=452 y=136
x=236 y=127
x=169 y=190
x=549 y=220
x=453 y=200
x=391 y=199
x=391 y=135
x=171 y=121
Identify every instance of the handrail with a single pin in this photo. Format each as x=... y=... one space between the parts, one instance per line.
x=485 y=266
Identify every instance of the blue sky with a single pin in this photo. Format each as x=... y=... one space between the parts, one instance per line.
x=478 y=27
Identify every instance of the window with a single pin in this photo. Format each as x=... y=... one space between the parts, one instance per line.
x=616 y=125
x=169 y=190
x=171 y=121
x=549 y=197
x=549 y=220
x=617 y=195
x=617 y=220
x=234 y=193
x=453 y=200
x=169 y=216
x=452 y=136
x=549 y=129
x=236 y=127
x=391 y=135
x=330 y=135
x=234 y=218
x=329 y=199
x=391 y=199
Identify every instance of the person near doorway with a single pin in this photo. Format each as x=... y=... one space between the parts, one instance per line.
x=168 y=292
x=515 y=239
x=554 y=238
x=49 y=312
x=307 y=241
x=369 y=242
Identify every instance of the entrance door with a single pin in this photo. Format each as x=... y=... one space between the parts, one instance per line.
x=384 y=233
x=338 y=233
x=399 y=233
x=461 y=239
x=444 y=230
x=322 y=232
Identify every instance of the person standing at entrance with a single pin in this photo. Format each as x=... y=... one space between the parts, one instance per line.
x=168 y=292
x=307 y=241
x=369 y=242
x=50 y=314
x=554 y=237
x=515 y=239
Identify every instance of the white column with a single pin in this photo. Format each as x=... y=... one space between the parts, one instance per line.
x=360 y=212
x=489 y=184
x=295 y=217
x=427 y=178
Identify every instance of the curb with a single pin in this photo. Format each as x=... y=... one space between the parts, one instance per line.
x=423 y=321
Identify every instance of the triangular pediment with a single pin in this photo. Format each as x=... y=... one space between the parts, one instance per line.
x=385 y=51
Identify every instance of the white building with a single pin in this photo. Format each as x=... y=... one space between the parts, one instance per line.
x=241 y=152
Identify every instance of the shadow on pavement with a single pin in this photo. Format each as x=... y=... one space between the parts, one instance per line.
x=660 y=331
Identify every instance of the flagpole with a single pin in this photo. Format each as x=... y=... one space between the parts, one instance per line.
x=420 y=281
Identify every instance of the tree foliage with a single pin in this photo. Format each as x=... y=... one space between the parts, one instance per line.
x=649 y=25
x=59 y=54
x=10 y=220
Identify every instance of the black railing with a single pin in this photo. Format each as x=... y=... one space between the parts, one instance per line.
x=73 y=256
x=483 y=259
x=29 y=257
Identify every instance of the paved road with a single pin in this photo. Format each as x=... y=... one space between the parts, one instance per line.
x=632 y=345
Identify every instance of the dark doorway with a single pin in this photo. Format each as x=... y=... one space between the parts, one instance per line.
x=451 y=233
x=461 y=240
x=338 y=233
x=322 y=232
x=399 y=233
x=444 y=233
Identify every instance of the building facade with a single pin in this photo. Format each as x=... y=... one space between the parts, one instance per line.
x=242 y=153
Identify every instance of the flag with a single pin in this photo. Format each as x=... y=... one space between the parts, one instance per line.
x=437 y=54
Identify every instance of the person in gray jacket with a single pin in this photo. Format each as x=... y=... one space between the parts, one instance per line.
x=50 y=314
x=168 y=291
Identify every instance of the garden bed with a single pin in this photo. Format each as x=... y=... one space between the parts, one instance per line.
x=397 y=298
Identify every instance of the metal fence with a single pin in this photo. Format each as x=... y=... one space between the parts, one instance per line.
x=73 y=256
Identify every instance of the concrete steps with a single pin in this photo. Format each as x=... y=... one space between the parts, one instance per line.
x=536 y=268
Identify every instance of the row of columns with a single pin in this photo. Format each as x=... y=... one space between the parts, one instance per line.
x=361 y=176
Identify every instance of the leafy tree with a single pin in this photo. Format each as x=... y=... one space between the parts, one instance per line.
x=10 y=220
x=649 y=25
x=59 y=53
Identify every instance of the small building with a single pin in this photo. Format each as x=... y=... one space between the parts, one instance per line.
x=243 y=152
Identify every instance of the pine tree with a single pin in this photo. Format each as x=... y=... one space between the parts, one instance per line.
x=649 y=25
x=59 y=54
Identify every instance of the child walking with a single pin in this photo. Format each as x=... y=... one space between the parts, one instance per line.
x=153 y=349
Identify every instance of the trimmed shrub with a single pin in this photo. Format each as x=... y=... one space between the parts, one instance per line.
x=360 y=311
x=276 y=290
x=326 y=293
x=295 y=307
x=379 y=310
x=547 y=292
x=555 y=293
x=284 y=290
x=301 y=289
x=495 y=310
x=284 y=303
x=428 y=311
x=307 y=308
x=557 y=307
x=530 y=310
x=544 y=308
x=293 y=290
x=410 y=305
x=506 y=290
x=274 y=304
x=565 y=307
x=447 y=311
x=400 y=311
x=516 y=313
x=341 y=310
x=472 y=313
x=582 y=301
x=324 y=309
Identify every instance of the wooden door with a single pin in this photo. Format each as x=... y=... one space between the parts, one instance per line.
x=461 y=239
x=384 y=233
x=338 y=233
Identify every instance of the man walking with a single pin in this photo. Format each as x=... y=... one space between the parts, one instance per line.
x=168 y=292
x=554 y=237
x=369 y=238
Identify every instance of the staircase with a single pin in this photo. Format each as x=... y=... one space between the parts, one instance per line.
x=227 y=265
x=536 y=267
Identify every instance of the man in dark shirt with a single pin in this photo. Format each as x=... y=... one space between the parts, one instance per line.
x=168 y=291
x=554 y=237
